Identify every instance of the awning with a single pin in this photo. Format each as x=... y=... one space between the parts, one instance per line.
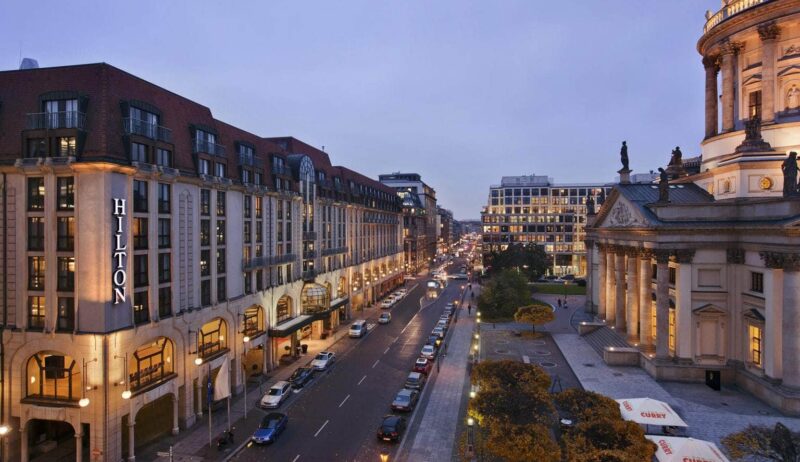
x=287 y=327
x=339 y=302
x=674 y=449
x=648 y=411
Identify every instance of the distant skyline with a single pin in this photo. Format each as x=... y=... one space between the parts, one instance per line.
x=461 y=92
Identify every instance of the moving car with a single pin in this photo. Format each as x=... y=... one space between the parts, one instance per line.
x=415 y=381
x=301 y=376
x=391 y=428
x=272 y=425
x=428 y=351
x=405 y=400
x=423 y=366
x=323 y=360
x=384 y=318
x=276 y=394
x=358 y=328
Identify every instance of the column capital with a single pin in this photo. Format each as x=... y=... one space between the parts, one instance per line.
x=631 y=251
x=645 y=253
x=617 y=249
x=728 y=48
x=780 y=260
x=735 y=256
x=711 y=63
x=768 y=31
x=662 y=255
x=684 y=256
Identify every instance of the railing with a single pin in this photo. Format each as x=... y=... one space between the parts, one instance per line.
x=327 y=184
x=51 y=120
x=146 y=129
x=285 y=258
x=208 y=147
x=250 y=159
x=309 y=254
x=280 y=170
x=734 y=8
x=334 y=251
x=254 y=262
x=309 y=275
x=309 y=235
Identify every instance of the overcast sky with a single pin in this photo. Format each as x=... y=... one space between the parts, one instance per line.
x=462 y=92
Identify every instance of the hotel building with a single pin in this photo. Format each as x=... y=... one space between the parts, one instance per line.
x=145 y=243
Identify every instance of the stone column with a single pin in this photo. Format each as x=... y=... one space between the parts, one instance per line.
x=602 y=281
x=131 y=434
x=729 y=51
x=683 y=305
x=199 y=393
x=711 y=64
x=632 y=295
x=590 y=273
x=791 y=322
x=774 y=324
x=79 y=445
x=768 y=32
x=662 y=303
x=23 y=441
x=645 y=299
x=175 y=425
x=611 y=310
x=619 y=298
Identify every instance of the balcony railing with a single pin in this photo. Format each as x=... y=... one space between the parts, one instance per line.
x=208 y=147
x=255 y=262
x=327 y=184
x=285 y=258
x=309 y=275
x=250 y=160
x=280 y=170
x=334 y=251
x=146 y=129
x=52 y=120
x=732 y=9
x=309 y=254
x=309 y=235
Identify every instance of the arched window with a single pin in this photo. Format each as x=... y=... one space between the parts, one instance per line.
x=315 y=299
x=253 y=321
x=53 y=376
x=358 y=281
x=212 y=338
x=151 y=363
x=283 y=309
x=341 y=289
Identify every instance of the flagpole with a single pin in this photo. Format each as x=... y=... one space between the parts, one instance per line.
x=229 y=412
x=209 y=399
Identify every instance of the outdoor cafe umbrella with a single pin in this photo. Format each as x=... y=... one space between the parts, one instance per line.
x=648 y=411
x=674 y=449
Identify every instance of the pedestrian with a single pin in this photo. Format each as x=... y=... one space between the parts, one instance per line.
x=469 y=309
x=559 y=303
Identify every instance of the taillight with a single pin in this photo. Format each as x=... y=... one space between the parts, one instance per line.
x=394 y=433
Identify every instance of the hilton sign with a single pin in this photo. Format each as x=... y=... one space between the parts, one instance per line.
x=120 y=255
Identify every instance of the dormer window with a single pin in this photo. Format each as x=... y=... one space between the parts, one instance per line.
x=143 y=122
x=62 y=113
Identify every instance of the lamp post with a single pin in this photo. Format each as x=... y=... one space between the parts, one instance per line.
x=470 y=437
x=244 y=367
x=4 y=430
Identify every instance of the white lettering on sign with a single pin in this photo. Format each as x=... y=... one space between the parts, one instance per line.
x=120 y=255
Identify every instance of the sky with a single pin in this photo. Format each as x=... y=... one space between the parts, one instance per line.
x=461 y=92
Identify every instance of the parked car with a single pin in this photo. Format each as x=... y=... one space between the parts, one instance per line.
x=387 y=303
x=391 y=428
x=415 y=381
x=423 y=366
x=428 y=351
x=438 y=331
x=323 y=360
x=276 y=394
x=272 y=425
x=358 y=328
x=384 y=318
x=301 y=376
x=405 y=400
x=568 y=277
x=434 y=340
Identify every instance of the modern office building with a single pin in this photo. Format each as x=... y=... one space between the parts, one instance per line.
x=145 y=243
x=420 y=229
x=704 y=275
x=446 y=228
x=533 y=209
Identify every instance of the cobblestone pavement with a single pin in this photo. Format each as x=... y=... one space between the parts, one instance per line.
x=711 y=415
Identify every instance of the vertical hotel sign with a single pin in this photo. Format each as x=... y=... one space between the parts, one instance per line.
x=119 y=277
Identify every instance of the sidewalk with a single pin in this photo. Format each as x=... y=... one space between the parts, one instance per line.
x=435 y=438
x=191 y=445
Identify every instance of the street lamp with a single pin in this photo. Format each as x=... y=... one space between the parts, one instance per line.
x=470 y=437
x=246 y=340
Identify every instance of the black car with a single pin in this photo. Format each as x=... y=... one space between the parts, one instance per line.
x=301 y=377
x=391 y=428
x=405 y=400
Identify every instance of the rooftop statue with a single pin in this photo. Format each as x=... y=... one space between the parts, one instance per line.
x=623 y=154
x=789 y=167
x=663 y=185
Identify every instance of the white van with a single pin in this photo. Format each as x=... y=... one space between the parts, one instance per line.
x=358 y=328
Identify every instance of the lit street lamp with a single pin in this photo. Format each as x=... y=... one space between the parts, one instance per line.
x=470 y=437
x=384 y=455
x=244 y=367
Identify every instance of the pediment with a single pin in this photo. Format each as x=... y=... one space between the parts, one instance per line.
x=709 y=309
x=620 y=213
x=794 y=69
x=755 y=78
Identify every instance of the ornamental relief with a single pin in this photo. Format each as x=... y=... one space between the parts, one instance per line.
x=621 y=215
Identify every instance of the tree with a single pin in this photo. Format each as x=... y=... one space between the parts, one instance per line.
x=763 y=443
x=534 y=314
x=583 y=406
x=510 y=375
x=522 y=443
x=503 y=294
x=518 y=407
x=607 y=440
x=528 y=259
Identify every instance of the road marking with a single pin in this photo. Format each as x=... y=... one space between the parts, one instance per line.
x=362 y=379
x=376 y=363
x=320 y=428
x=404 y=329
x=526 y=359
x=344 y=400
x=295 y=458
x=387 y=349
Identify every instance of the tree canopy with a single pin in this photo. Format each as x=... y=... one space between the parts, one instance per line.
x=777 y=444
x=510 y=375
x=503 y=294
x=534 y=314
x=608 y=439
x=582 y=406
x=522 y=443
x=528 y=259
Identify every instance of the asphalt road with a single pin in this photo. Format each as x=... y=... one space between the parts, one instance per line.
x=335 y=418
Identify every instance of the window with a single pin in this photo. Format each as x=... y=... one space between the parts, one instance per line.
x=260 y=280
x=672 y=330
x=259 y=207
x=138 y=153
x=164 y=157
x=257 y=179
x=143 y=122
x=66 y=314
x=672 y=275
x=220 y=232
x=37 y=147
x=247 y=232
x=756 y=334
x=221 y=292
x=205 y=292
x=248 y=206
x=164 y=268
x=205 y=202
x=65 y=146
x=35 y=194
x=204 y=167
x=35 y=233
x=248 y=283
x=140 y=314
x=139 y=196
x=245 y=175
x=219 y=169
x=283 y=309
x=139 y=233
x=140 y=270
x=220 y=261
x=66 y=193
x=259 y=231
x=754 y=104
x=36 y=270
x=36 y=312
x=66 y=233
x=205 y=262
x=757 y=282
x=205 y=232
x=66 y=274
x=220 y=203
x=164 y=233
x=165 y=302
x=163 y=198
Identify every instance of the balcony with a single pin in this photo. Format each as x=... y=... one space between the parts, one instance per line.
x=54 y=120
x=146 y=129
x=250 y=160
x=280 y=170
x=732 y=9
x=255 y=262
x=285 y=258
x=207 y=147
x=334 y=251
x=309 y=275
x=309 y=235
x=309 y=254
x=325 y=184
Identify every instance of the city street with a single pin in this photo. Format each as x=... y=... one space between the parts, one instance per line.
x=336 y=417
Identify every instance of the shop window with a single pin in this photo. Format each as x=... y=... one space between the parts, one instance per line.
x=212 y=338
x=283 y=309
x=53 y=376
x=151 y=364
x=253 y=321
x=315 y=298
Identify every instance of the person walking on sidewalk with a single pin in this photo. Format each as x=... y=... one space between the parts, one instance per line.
x=469 y=308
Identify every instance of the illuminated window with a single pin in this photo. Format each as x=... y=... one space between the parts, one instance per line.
x=35 y=194
x=151 y=364
x=672 y=330
x=756 y=335
x=754 y=104
x=53 y=376
x=212 y=338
